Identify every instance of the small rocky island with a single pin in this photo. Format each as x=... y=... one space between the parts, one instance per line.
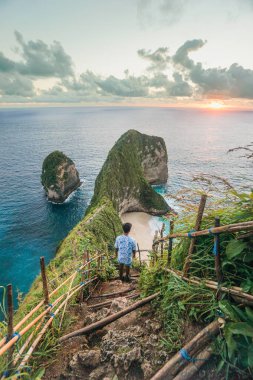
x=135 y=162
x=59 y=176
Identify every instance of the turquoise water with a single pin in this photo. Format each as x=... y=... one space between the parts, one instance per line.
x=30 y=227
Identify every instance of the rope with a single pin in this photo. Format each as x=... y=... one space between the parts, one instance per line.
x=219 y=313
x=184 y=354
x=190 y=234
x=216 y=244
x=12 y=336
x=16 y=334
x=216 y=248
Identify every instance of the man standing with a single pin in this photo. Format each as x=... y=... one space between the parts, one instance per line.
x=125 y=249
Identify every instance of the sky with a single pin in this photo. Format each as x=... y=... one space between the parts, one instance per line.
x=134 y=52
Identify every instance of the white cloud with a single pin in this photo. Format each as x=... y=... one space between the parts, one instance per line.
x=45 y=74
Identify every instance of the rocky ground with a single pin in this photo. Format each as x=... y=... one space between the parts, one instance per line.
x=127 y=349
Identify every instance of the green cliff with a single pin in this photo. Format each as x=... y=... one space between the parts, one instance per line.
x=134 y=163
x=59 y=176
x=122 y=185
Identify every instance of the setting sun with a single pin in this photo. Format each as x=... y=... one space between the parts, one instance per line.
x=215 y=105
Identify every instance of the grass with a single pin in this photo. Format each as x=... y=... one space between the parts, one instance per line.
x=95 y=233
x=181 y=302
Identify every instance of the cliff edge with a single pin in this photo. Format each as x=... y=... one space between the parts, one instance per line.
x=134 y=163
x=59 y=176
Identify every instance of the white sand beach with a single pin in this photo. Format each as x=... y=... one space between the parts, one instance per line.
x=143 y=230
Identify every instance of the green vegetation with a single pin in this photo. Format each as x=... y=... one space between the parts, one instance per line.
x=95 y=233
x=179 y=305
x=122 y=176
x=236 y=346
x=50 y=167
x=182 y=303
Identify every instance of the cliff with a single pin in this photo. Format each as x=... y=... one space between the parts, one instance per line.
x=122 y=185
x=96 y=231
x=134 y=163
x=101 y=224
x=59 y=176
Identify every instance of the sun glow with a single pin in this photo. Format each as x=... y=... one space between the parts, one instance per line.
x=215 y=105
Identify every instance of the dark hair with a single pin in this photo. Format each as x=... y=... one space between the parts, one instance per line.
x=127 y=227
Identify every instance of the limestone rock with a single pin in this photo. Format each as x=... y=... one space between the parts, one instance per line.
x=89 y=358
x=59 y=176
x=134 y=163
x=118 y=304
x=105 y=372
x=147 y=369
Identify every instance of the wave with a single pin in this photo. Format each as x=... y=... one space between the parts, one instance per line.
x=71 y=195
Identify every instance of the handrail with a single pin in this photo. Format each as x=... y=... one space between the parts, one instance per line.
x=41 y=303
x=6 y=344
x=210 y=231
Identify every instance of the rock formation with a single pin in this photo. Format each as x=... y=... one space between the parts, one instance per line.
x=134 y=163
x=59 y=176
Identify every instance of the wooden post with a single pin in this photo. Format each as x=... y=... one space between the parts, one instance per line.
x=170 y=246
x=83 y=276
x=44 y=280
x=217 y=253
x=88 y=266
x=101 y=261
x=10 y=323
x=197 y=228
x=88 y=269
x=139 y=253
x=84 y=262
x=162 y=231
x=98 y=261
x=154 y=248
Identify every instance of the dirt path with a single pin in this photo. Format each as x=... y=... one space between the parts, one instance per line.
x=128 y=348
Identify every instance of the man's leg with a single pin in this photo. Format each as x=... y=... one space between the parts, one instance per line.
x=128 y=279
x=121 y=269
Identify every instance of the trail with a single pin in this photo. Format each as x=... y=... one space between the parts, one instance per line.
x=128 y=348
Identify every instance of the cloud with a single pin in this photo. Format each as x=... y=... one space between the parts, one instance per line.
x=128 y=87
x=38 y=59
x=167 y=76
x=90 y=84
x=42 y=60
x=160 y=12
x=158 y=59
x=16 y=85
x=232 y=82
x=180 y=87
x=6 y=65
x=182 y=58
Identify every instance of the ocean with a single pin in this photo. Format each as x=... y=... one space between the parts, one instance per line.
x=30 y=226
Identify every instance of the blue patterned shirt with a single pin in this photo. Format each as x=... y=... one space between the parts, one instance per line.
x=125 y=245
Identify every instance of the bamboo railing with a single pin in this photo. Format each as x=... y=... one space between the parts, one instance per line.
x=214 y=232
x=173 y=369
x=37 y=321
